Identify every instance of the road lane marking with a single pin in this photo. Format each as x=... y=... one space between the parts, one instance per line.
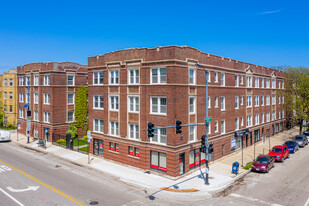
x=253 y=199
x=33 y=188
x=307 y=203
x=4 y=168
x=7 y=194
x=44 y=184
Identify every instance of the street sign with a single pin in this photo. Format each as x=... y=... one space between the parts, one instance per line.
x=208 y=119
x=89 y=138
x=26 y=105
x=233 y=143
x=28 y=125
x=18 y=126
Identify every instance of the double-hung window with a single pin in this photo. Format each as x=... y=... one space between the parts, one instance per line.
x=98 y=125
x=46 y=98
x=36 y=80
x=267 y=100
x=222 y=126
x=273 y=83
x=241 y=100
x=97 y=78
x=192 y=105
x=216 y=76
x=267 y=83
x=27 y=97
x=256 y=82
x=11 y=95
x=70 y=98
x=70 y=80
x=133 y=104
x=256 y=100
x=158 y=105
x=133 y=76
x=262 y=82
x=114 y=77
x=273 y=117
x=35 y=98
x=159 y=136
x=279 y=99
x=11 y=82
x=158 y=75
x=262 y=118
x=21 y=81
x=36 y=116
x=222 y=79
x=192 y=133
x=236 y=102
x=279 y=84
x=241 y=79
x=273 y=101
x=267 y=116
x=216 y=102
x=134 y=131
x=262 y=100
x=236 y=80
x=21 y=113
x=249 y=121
x=98 y=101
x=249 y=81
x=21 y=97
x=257 y=119
x=46 y=80
x=249 y=101
x=222 y=103
x=236 y=123
x=70 y=116
x=114 y=103
x=114 y=130
x=46 y=117
x=216 y=126
x=28 y=81
x=192 y=76
x=209 y=102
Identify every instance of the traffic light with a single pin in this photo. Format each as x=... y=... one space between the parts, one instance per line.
x=150 y=129
x=203 y=144
x=211 y=148
x=28 y=113
x=177 y=126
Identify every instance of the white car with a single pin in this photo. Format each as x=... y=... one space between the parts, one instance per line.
x=306 y=134
x=5 y=136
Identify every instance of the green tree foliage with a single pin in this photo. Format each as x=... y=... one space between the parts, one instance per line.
x=81 y=109
x=296 y=93
x=72 y=130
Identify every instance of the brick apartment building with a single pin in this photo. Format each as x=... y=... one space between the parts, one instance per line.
x=52 y=96
x=130 y=87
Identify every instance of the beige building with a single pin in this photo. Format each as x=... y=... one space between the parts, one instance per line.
x=9 y=97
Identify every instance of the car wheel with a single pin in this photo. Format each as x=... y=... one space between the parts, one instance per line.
x=282 y=159
x=267 y=170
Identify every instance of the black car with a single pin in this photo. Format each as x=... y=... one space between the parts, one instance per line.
x=301 y=140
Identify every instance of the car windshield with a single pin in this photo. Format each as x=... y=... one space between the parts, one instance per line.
x=261 y=159
x=276 y=150
x=289 y=143
x=299 y=138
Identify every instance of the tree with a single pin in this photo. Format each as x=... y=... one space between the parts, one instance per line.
x=81 y=109
x=296 y=94
x=72 y=130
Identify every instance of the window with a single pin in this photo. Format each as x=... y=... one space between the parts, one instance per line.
x=279 y=98
x=268 y=83
x=70 y=116
x=5 y=95
x=216 y=76
x=279 y=84
x=262 y=118
x=70 y=80
x=11 y=108
x=216 y=102
x=222 y=103
x=133 y=151
x=134 y=131
x=273 y=83
x=282 y=113
x=159 y=136
x=282 y=99
x=98 y=125
x=114 y=128
x=5 y=82
x=208 y=75
x=236 y=123
x=114 y=103
x=262 y=100
x=97 y=78
x=21 y=113
x=192 y=76
x=249 y=121
x=21 y=97
x=21 y=81
x=46 y=117
x=256 y=82
x=257 y=119
x=27 y=98
x=249 y=81
x=192 y=133
x=133 y=104
x=262 y=82
x=36 y=134
x=222 y=79
x=241 y=79
x=11 y=95
x=242 y=121
x=158 y=75
x=273 y=100
x=208 y=102
x=267 y=100
x=236 y=81
x=216 y=126
x=114 y=77
x=114 y=147
x=133 y=76
x=111 y=146
x=249 y=101
x=273 y=116
x=98 y=101
x=11 y=82
x=28 y=81
x=5 y=108
x=256 y=100
x=158 y=161
x=192 y=105
x=209 y=127
x=241 y=100
x=267 y=116
x=158 y=105
x=236 y=102
x=46 y=98
x=222 y=126
x=46 y=80
x=36 y=80
x=36 y=116
x=35 y=98
x=279 y=114
x=282 y=86
x=70 y=98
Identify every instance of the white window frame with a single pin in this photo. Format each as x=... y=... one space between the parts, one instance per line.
x=241 y=100
x=209 y=102
x=237 y=123
x=11 y=82
x=192 y=133
x=267 y=83
x=36 y=100
x=27 y=77
x=216 y=127
x=133 y=133
x=256 y=100
x=158 y=134
x=236 y=80
x=114 y=102
x=256 y=119
x=249 y=120
x=267 y=116
x=114 y=77
x=99 y=77
x=249 y=81
x=222 y=126
x=100 y=125
x=222 y=79
x=68 y=81
x=21 y=81
x=249 y=101
x=72 y=116
x=256 y=82
x=273 y=115
x=267 y=100
x=192 y=78
x=273 y=99
x=99 y=102
x=273 y=84
x=159 y=106
x=36 y=115
x=242 y=121
x=133 y=106
x=10 y=95
x=47 y=117
x=262 y=100
x=135 y=76
x=262 y=82
x=114 y=128
x=73 y=98
x=216 y=77
x=222 y=103
x=192 y=105
x=46 y=80
x=159 y=79
x=36 y=80
x=46 y=98
x=241 y=79
x=236 y=102
x=28 y=100
x=216 y=102
x=21 y=97
x=262 y=118
x=21 y=113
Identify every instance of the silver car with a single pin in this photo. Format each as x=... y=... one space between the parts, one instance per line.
x=5 y=136
x=301 y=140
x=306 y=134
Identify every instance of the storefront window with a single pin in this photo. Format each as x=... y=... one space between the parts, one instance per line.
x=196 y=158
x=111 y=146
x=98 y=147
x=158 y=161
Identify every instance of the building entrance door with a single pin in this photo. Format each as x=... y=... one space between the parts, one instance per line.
x=181 y=163
x=46 y=134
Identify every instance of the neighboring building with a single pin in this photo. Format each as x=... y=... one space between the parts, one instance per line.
x=130 y=87
x=53 y=87
x=8 y=97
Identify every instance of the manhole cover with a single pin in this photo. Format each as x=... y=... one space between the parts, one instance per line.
x=94 y=202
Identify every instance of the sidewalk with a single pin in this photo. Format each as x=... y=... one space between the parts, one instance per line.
x=220 y=176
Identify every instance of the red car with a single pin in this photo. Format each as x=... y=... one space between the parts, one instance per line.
x=280 y=152
x=263 y=163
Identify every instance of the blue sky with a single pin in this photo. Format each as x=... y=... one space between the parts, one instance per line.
x=268 y=33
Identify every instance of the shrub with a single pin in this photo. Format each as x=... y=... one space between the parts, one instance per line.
x=61 y=141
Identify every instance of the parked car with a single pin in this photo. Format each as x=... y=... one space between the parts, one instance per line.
x=292 y=145
x=306 y=134
x=263 y=163
x=301 y=140
x=5 y=136
x=280 y=152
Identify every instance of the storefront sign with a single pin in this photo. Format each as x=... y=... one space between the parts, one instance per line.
x=242 y=132
x=233 y=143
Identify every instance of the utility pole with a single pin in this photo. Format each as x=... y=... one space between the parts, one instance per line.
x=207 y=124
x=28 y=109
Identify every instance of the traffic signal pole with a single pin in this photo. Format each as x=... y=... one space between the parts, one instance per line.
x=207 y=124
x=28 y=132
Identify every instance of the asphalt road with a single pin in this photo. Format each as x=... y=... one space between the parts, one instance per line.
x=33 y=178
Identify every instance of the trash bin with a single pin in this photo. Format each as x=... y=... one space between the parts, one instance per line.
x=235 y=168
